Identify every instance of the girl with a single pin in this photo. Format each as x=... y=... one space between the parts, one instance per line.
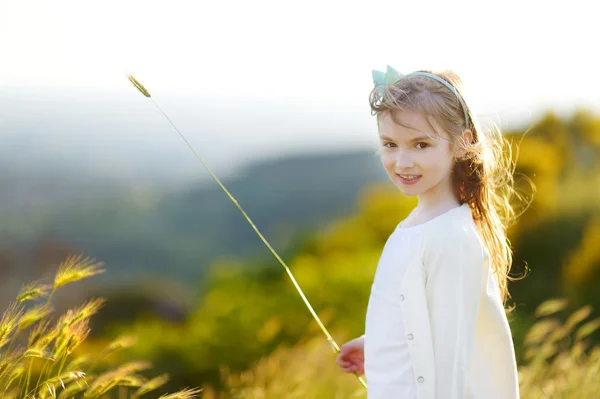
x=436 y=326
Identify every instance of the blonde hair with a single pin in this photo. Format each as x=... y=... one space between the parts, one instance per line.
x=483 y=175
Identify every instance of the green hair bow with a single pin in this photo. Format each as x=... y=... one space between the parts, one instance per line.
x=391 y=76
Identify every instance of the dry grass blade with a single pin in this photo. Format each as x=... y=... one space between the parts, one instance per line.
x=9 y=322
x=587 y=329
x=550 y=306
x=48 y=387
x=71 y=337
x=38 y=354
x=33 y=291
x=151 y=385
x=541 y=330
x=72 y=389
x=16 y=372
x=72 y=327
x=107 y=381
x=578 y=316
x=34 y=315
x=118 y=344
x=85 y=311
x=138 y=86
x=133 y=381
x=41 y=335
x=76 y=268
x=11 y=394
x=9 y=361
x=187 y=393
x=79 y=362
x=51 y=391
x=4 y=365
x=330 y=338
x=132 y=367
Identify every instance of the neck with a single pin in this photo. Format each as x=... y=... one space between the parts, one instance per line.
x=439 y=198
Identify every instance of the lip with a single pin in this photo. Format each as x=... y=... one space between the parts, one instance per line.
x=408 y=182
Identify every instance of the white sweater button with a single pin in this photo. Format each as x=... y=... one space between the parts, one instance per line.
x=421 y=379
x=401 y=297
x=410 y=336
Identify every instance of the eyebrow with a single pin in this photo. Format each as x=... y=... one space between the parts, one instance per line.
x=420 y=138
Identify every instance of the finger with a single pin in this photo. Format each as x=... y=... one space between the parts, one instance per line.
x=342 y=361
x=349 y=369
x=355 y=356
x=356 y=369
x=343 y=356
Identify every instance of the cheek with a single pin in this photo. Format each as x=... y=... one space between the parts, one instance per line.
x=440 y=159
x=388 y=161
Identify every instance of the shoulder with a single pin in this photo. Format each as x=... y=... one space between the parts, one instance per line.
x=456 y=237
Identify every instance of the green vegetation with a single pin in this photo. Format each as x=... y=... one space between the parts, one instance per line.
x=247 y=333
x=44 y=365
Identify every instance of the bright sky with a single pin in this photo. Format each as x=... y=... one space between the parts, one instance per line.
x=511 y=54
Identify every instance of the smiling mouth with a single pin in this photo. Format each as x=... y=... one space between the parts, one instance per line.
x=408 y=177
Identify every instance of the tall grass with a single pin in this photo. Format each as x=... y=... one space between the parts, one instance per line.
x=36 y=350
x=334 y=346
x=307 y=370
x=37 y=356
x=560 y=363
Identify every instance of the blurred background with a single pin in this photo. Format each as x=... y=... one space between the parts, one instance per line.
x=274 y=97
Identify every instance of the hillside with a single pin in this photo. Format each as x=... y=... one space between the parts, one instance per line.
x=178 y=234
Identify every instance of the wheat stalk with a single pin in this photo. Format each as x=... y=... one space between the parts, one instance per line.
x=33 y=315
x=105 y=382
x=332 y=342
x=53 y=343
x=76 y=268
x=48 y=387
x=187 y=393
x=151 y=385
x=32 y=291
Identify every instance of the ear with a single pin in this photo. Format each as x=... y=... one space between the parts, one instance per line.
x=464 y=140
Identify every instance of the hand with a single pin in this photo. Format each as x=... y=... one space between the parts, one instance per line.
x=352 y=356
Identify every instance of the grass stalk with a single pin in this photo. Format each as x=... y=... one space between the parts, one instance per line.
x=330 y=339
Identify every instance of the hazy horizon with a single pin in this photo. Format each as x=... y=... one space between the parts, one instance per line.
x=310 y=58
x=248 y=81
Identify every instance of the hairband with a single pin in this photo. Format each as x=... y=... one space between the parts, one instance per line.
x=392 y=76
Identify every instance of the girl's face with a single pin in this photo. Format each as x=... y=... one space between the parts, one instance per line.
x=416 y=158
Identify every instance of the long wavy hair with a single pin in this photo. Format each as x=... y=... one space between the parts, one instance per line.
x=483 y=176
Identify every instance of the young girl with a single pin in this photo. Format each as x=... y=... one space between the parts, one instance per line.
x=436 y=326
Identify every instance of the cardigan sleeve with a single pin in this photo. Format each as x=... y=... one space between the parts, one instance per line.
x=454 y=264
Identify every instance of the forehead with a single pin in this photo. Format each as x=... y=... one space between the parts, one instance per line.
x=407 y=124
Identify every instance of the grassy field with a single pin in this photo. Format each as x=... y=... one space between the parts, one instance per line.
x=560 y=361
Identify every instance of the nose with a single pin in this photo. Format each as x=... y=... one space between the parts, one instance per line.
x=404 y=160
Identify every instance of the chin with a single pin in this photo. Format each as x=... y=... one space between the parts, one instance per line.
x=409 y=193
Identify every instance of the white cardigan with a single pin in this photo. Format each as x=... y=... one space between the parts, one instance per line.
x=459 y=338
